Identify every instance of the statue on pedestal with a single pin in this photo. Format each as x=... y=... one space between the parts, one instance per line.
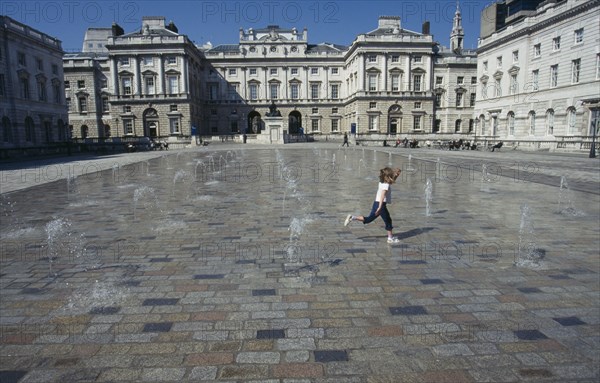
x=273 y=112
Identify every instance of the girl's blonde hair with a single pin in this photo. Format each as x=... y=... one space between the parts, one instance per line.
x=387 y=175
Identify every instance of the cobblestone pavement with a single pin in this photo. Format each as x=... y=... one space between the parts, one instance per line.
x=232 y=264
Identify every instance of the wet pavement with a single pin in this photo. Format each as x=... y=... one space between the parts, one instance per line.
x=232 y=264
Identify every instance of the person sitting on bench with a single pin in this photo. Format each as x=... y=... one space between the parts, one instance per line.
x=497 y=146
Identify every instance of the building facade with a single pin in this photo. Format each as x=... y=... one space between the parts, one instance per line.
x=32 y=103
x=145 y=83
x=539 y=77
x=455 y=83
x=381 y=83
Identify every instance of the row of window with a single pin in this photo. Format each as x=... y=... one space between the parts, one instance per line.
x=532 y=124
x=49 y=133
x=534 y=85
x=39 y=63
x=147 y=60
x=458 y=101
x=537 y=49
x=41 y=88
x=460 y=80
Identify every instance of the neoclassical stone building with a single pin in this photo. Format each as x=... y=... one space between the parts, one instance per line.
x=155 y=82
x=539 y=77
x=144 y=83
x=32 y=105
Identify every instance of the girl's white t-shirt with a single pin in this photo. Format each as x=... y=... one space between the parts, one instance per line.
x=387 y=197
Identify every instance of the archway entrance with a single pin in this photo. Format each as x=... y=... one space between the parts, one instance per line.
x=254 y=123
x=151 y=126
x=395 y=119
x=294 y=122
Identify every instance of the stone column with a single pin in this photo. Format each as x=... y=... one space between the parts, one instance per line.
x=115 y=76
x=161 y=75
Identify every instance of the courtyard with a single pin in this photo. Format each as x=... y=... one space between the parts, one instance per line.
x=230 y=263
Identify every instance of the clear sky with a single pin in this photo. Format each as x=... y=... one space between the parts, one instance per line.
x=219 y=21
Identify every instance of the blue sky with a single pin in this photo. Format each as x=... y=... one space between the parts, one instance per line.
x=219 y=21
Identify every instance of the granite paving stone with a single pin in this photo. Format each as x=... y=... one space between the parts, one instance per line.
x=224 y=277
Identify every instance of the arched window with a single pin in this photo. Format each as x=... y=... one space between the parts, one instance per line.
x=511 y=123
x=549 y=122
x=532 y=123
x=571 y=119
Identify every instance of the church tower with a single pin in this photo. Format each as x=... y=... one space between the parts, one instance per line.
x=457 y=35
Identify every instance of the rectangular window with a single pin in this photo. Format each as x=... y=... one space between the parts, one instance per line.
x=334 y=110
x=372 y=82
x=314 y=71
x=485 y=66
x=82 y=104
x=40 y=65
x=579 y=36
x=417 y=83
x=126 y=81
x=335 y=70
x=314 y=125
x=335 y=125
x=459 y=97
x=575 y=69
x=57 y=92
x=105 y=105
x=418 y=59
x=373 y=122
x=294 y=91
x=395 y=83
x=439 y=80
x=273 y=71
x=513 y=84
x=556 y=43
x=173 y=108
x=234 y=127
x=334 y=91
x=253 y=88
x=232 y=91
x=253 y=71
x=460 y=80
x=274 y=88
x=417 y=105
x=128 y=126
x=68 y=101
x=24 y=87
x=395 y=58
x=499 y=62
x=473 y=80
x=372 y=58
x=372 y=105
x=41 y=91
x=172 y=60
x=150 y=89
x=294 y=71
x=535 y=79
x=103 y=83
x=148 y=60
x=173 y=84
x=417 y=122
x=174 y=125
x=314 y=110
x=537 y=50
x=498 y=87
x=554 y=75
x=81 y=84
x=515 y=56
x=472 y=99
x=21 y=59
x=597 y=66
x=124 y=61
x=233 y=72
x=314 y=91
x=438 y=100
